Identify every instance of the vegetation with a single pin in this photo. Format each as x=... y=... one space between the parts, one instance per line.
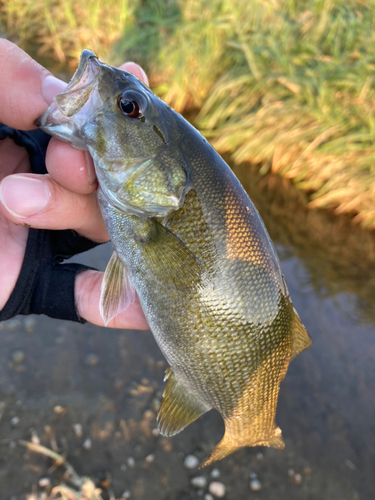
x=287 y=85
x=61 y=29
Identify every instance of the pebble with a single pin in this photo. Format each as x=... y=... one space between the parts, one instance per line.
x=150 y=458
x=123 y=467
x=30 y=324
x=87 y=444
x=198 y=482
x=217 y=489
x=191 y=462
x=260 y=456
x=131 y=462
x=34 y=437
x=255 y=485
x=44 y=481
x=15 y=421
x=215 y=473
x=77 y=430
x=253 y=475
x=155 y=432
x=297 y=478
x=208 y=496
x=13 y=324
x=126 y=494
x=18 y=357
x=92 y=359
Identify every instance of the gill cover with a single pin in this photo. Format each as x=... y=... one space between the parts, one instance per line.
x=132 y=159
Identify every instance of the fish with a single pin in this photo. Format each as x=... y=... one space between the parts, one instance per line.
x=187 y=239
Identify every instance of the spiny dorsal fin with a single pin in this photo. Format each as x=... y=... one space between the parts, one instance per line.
x=179 y=407
x=301 y=340
x=117 y=292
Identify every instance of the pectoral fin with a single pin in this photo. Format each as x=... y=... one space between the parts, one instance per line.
x=301 y=340
x=170 y=261
x=179 y=407
x=117 y=292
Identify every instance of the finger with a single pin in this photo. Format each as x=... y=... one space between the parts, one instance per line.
x=13 y=158
x=72 y=168
x=26 y=88
x=40 y=202
x=136 y=70
x=87 y=295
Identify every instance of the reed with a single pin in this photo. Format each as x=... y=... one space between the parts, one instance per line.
x=286 y=85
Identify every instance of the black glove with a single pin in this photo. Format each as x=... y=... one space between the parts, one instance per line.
x=45 y=286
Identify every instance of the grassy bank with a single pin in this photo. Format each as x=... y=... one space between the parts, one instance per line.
x=286 y=85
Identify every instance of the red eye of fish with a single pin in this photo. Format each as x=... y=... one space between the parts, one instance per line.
x=129 y=108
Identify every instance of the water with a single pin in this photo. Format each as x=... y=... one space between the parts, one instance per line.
x=326 y=404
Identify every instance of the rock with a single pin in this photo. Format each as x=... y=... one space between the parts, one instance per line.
x=198 y=482
x=126 y=494
x=92 y=359
x=77 y=430
x=255 y=485
x=291 y=472
x=13 y=324
x=44 y=482
x=297 y=478
x=87 y=444
x=208 y=496
x=150 y=458
x=260 y=456
x=18 y=357
x=131 y=462
x=29 y=323
x=191 y=462
x=15 y=421
x=215 y=473
x=217 y=489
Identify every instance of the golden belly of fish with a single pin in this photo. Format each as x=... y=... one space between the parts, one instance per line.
x=189 y=241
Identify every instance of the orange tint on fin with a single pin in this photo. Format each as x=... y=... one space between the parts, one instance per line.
x=230 y=444
x=301 y=340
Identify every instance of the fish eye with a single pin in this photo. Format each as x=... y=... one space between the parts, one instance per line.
x=129 y=106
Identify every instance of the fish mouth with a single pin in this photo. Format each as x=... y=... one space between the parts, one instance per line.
x=71 y=109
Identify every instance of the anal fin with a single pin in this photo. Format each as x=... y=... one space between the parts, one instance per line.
x=117 y=292
x=301 y=340
x=179 y=407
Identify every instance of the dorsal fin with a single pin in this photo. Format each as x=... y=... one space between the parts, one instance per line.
x=179 y=407
x=117 y=292
x=301 y=340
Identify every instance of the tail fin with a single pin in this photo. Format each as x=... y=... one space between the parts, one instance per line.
x=229 y=444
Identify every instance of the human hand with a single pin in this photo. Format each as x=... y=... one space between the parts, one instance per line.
x=63 y=199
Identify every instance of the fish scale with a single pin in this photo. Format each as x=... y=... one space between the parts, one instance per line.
x=187 y=238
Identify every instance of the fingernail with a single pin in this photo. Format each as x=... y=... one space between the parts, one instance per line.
x=23 y=196
x=52 y=86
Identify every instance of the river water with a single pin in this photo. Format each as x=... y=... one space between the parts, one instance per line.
x=110 y=382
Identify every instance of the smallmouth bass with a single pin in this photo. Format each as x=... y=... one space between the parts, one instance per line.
x=189 y=241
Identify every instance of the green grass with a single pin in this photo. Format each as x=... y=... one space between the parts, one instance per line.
x=287 y=85
x=61 y=29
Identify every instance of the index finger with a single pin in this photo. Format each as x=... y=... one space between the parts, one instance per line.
x=21 y=87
